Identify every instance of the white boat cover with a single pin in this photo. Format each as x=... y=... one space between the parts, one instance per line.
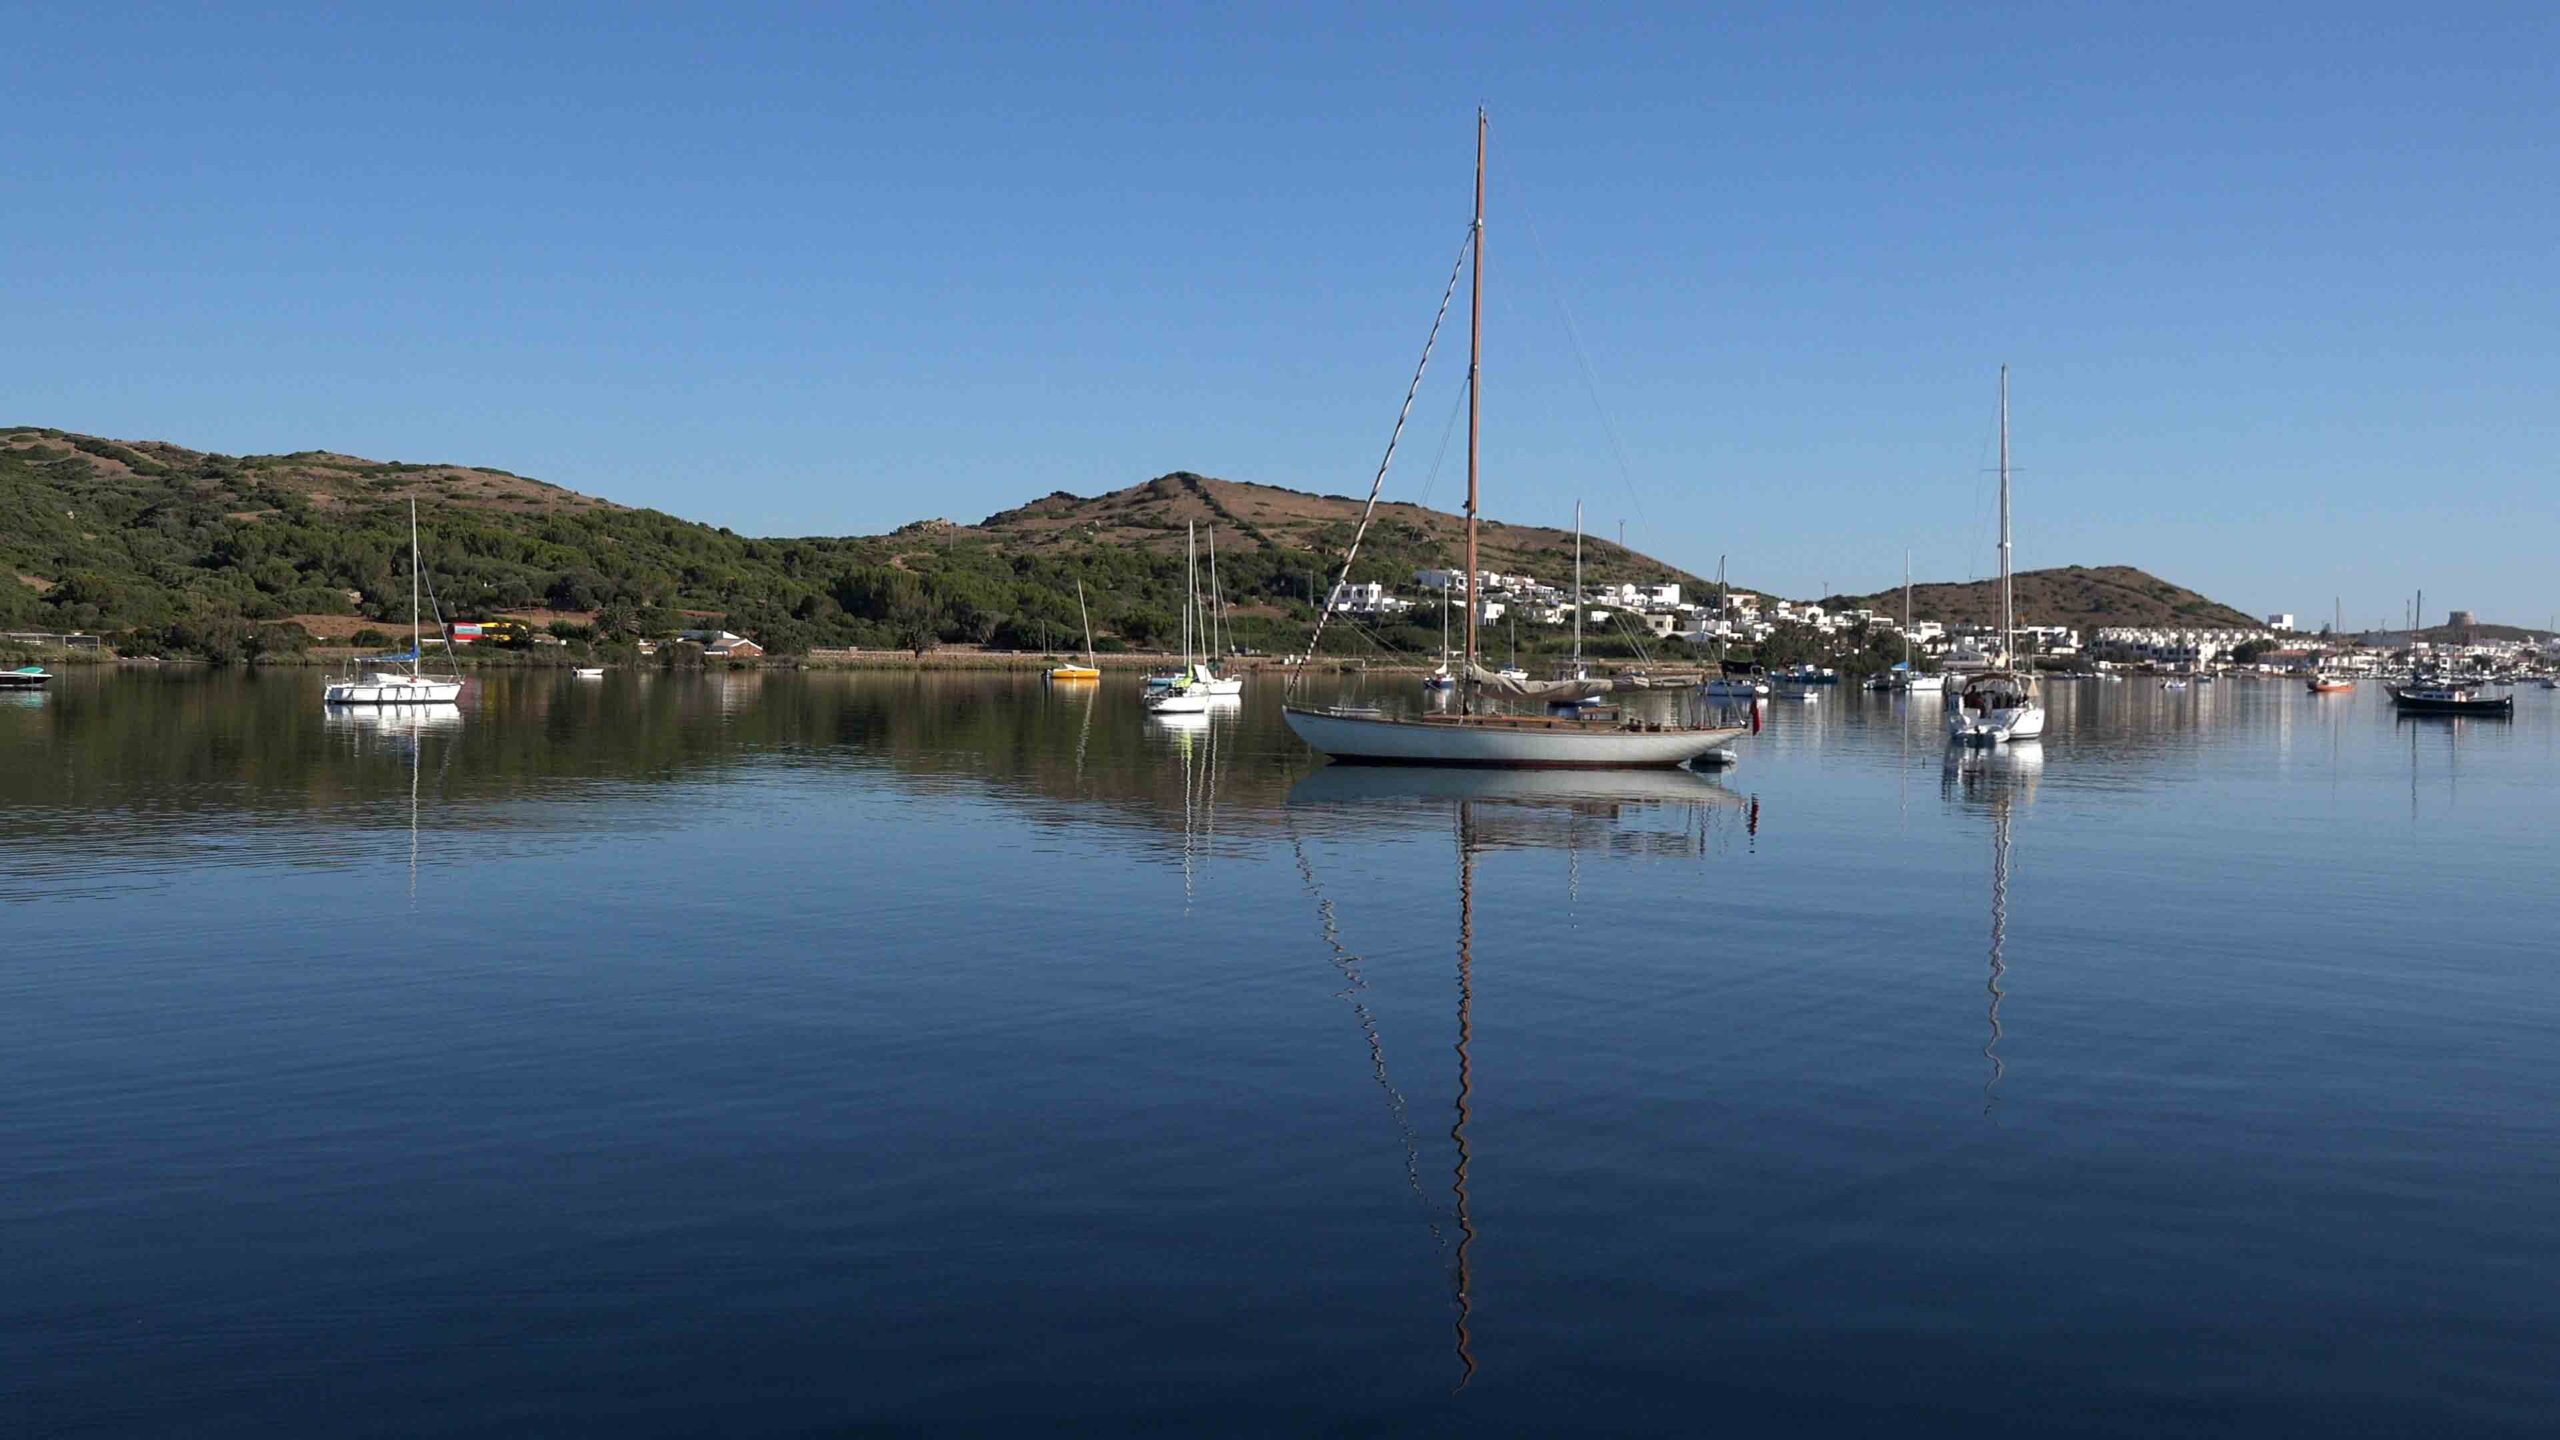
x=1493 y=682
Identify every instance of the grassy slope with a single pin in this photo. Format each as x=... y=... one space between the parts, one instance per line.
x=194 y=550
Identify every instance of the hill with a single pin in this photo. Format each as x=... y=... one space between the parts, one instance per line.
x=1249 y=517
x=191 y=552
x=2081 y=596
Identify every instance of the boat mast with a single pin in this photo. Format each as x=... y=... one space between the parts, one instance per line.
x=1475 y=393
x=417 y=647
x=1086 y=620
x=1216 y=602
x=1906 y=611
x=1577 y=588
x=2008 y=603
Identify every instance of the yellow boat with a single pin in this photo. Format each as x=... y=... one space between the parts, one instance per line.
x=1088 y=670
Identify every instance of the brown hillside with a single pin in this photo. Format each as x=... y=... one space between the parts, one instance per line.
x=2081 y=596
x=1249 y=516
x=327 y=478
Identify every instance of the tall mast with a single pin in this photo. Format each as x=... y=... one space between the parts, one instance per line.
x=2008 y=603
x=1475 y=396
x=417 y=647
x=1084 y=619
x=1906 y=609
x=1216 y=604
x=1577 y=584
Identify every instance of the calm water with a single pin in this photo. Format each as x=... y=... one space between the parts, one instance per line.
x=781 y=1054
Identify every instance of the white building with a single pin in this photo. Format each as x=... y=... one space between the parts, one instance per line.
x=2280 y=622
x=1368 y=598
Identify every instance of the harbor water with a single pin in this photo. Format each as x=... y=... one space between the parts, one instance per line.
x=771 y=1053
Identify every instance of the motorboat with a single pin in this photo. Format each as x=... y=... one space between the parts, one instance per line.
x=588 y=672
x=25 y=677
x=2450 y=697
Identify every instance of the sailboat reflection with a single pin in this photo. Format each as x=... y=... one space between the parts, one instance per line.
x=1999 y=779
x=403 y=727
x=1491 y=809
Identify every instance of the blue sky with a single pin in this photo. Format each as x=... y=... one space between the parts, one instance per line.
x=2276 y=284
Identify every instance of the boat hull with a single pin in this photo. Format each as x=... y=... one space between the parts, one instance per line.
x=375 y=691
x=1376 y=740
x=1996 y=727
x=2424 y=705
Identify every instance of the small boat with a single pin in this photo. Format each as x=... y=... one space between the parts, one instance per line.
x=394 y=687
x=2173 y=684
x=1995 y=706
x=588 y=672
x=25 y=677
x=1088 y=670
x=2330 y=684
x=1187 y=692
x=2450 y=697
x=1740 y=681
x=1212 y=622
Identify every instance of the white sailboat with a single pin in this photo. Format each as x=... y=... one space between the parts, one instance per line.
x=1904 y=677
x=1574 y=669
x=1204 y=673
x=1442 y=678
x=1186 y=695
x=1476 y=735
x=1998 y=705
x=396 y=687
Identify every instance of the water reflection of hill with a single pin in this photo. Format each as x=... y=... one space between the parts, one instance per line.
x=161 y=762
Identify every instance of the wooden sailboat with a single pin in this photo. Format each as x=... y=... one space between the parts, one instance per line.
x=1994 y=706
x=1088 y=670
x=413 y=686
x=1477 y=734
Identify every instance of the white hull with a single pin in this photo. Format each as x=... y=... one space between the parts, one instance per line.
x=1994 y=727
x=1378 y=740
x=1178 y=702
x=1224 y=685
x=392 y=690
x=1926 y=682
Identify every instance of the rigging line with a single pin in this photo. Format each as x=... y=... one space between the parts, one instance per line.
x=1430 y=482
x=1348 y=963
x=1378 y=481
x=1590 y=378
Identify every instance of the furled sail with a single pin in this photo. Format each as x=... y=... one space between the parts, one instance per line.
x=1552 y=692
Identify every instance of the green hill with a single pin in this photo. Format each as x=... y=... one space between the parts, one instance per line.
x=2081 y=596
x=188 y=552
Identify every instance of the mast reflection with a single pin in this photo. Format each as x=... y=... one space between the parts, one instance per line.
x=1466 y=1076
x=1999 y=780
x=1623 y=815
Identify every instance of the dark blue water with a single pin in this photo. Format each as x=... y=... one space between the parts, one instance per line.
x=779 y=1054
